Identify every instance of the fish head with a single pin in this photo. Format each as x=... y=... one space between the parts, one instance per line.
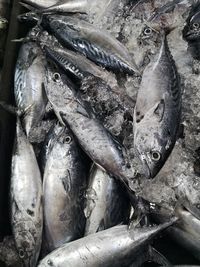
x=149 y=36
x=191 y=31
x=30 y=18
x=26 y=245
x=3 y=23
x=152 y=142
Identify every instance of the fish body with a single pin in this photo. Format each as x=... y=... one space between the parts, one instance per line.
x=77 y=64
x=28 y=85
x=66 y=6
x=106 y=202
x=116 y=246
x=26 y=200
x=97 y=45
x=157 y=112
x=95 y=140
x=64 y=186
x=98 y=89
x=186 y=232
x=40 y=4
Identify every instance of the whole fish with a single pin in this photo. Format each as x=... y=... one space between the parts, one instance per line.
x=95 y=140
x=64 y=187
x=116 y=246
x=28 y=85
x=96 y=44
x=26 y=200
x=106 y=202
x=157 y=112
x=191 y=31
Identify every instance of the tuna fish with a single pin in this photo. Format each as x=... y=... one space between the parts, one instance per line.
x=97 y=45
x=117 y=246
x=157 y=112
x=28 y=85
x=64 y=187
x=95 y=140
x=106 y=205
x=26 y=200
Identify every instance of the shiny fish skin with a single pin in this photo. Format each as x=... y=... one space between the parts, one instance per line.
x=77 y=64
x=106 y=205
x=157 y=112
x=28 y=85
x=97 y=45
x=112 y=247
x=64 y=187
x=98 y=144
x=65 y=6
x=39 y=4
x=99 y=90
x=26 y=200
x=186 y=233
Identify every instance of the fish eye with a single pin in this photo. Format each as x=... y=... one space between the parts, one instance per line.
x=21 y=253
x=195 y=25
x=198 y=206
x=68 y=139
x=155 y=155
x=147 y=31
x=56 y=77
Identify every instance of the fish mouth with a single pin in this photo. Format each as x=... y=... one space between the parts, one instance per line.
x=191 y=36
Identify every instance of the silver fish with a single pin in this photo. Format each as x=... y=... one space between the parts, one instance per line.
x=28 y=84
x=157 y=112
x=110 y=104
x=77 y=64
x=64 y=187
x=26 y=200
x=186 y=233
x=95 y=140
x=96 y=44
x=116 y=246
x=106 y=205
x=65 y=6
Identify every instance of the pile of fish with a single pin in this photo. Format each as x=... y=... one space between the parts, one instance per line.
x=106 y=156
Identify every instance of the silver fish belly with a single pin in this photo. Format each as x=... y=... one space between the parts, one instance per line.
x=64 y=187
x=112 y=247
x=157 y=112
x=26 y=200
x=28 y=85
x=106 y=205
x=97 y=45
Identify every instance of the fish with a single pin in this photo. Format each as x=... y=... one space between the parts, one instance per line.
x=157 y=112
x=94 y=139
x=64 y=187
x=115 y=246
x=28 y=85
x=98 y=45
x=30 y=18
x=76 y=64
x=191 y=31
x=66 y=6
x=40 y=4
x=26 y=200
x=3 y=23
x=186 y=232
x=98 y=89
x=106 y=203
